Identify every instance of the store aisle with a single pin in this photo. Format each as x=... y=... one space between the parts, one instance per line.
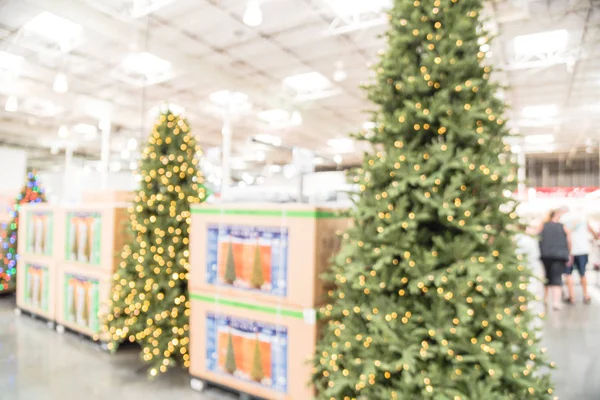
x=37 y=363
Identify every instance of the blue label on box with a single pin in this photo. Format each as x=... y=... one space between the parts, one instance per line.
x=248 y=258
x=247 y=350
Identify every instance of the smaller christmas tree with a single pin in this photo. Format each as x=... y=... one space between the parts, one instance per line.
x=230 y=275
x=230 y=364
x=30 y=193
x=257 y=270
x=257 y=373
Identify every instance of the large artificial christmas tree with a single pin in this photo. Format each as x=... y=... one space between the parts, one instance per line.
x=149 y=301
x=30 y=193
x=431 y=301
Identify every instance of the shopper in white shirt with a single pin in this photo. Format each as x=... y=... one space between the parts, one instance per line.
x=581 y=238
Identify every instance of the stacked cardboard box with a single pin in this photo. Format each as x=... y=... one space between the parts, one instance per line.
x=94 y=236
x=67 y=258
x=255 y=284
x=38 y=252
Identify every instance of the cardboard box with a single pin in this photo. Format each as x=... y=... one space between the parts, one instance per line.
x=36 y=286
x=108 y=196
x=94 y=235
x=81 y=298
x=252 y=347
x=38 y=225
x=274 y=252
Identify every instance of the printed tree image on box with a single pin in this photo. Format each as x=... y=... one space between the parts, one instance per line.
x=81 y=301
x=39 y=233
x=83 y=237
x=248 y=257
x=37 y=286
x=247 y=350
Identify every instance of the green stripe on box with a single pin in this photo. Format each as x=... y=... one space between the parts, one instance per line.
x=267 y=213
x=248 y=306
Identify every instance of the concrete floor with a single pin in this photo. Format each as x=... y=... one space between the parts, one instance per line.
x=36 y=363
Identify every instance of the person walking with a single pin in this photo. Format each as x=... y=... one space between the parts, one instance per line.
x=581 y=236
x=555 y=248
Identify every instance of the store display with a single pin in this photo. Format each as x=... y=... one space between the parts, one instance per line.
x=271 y=252
x=37 y=282
x=149 y=299
x=252 y=347
x=81 y=299
x=248 y=257
x=430 y=299
x=36 y=286
x=81 y=305
x=40 y=236
x=31 y=193
x=83 y=242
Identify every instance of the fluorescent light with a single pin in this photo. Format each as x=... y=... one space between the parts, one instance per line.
x=338 y=159
x=40 y=107
x=296 y=118
x=60 y=83
x=282 y=118
x=352 y=8
x=115 y=166
x=164 y=107
x=10 y=62
x=89 y=132
x=237 y=102
x=146 y=64
x=541 y=43
x=274 y=116
x=63 y=132
x=308 y=82
x=268 y=139
x=12 y=104
x=369 y=125
x=539 y=139
x=104 y=124
x=55 y=29
x=541 y=111
x=249 y=179
x=132 y=144
x=253 y=15
x=341 y=144
x=340 y=73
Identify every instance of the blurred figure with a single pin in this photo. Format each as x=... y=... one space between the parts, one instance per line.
x=581 y=239
x=555 y=247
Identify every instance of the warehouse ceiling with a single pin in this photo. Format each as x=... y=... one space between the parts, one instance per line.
x=284 y=71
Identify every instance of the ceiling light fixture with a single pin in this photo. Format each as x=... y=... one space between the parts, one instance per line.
x=12 y=104
x=369 y=125
x=132 y=144
x=253 y=15
x=539 y=139
x=342 y=145
x=10 y=63
x=63 y=132
x=296 y=119
x=307 y=82
x=540 y=111
x=340 y=73
x=541 y=43
x=60 y=83
x=338 y=159
x=52 y=28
